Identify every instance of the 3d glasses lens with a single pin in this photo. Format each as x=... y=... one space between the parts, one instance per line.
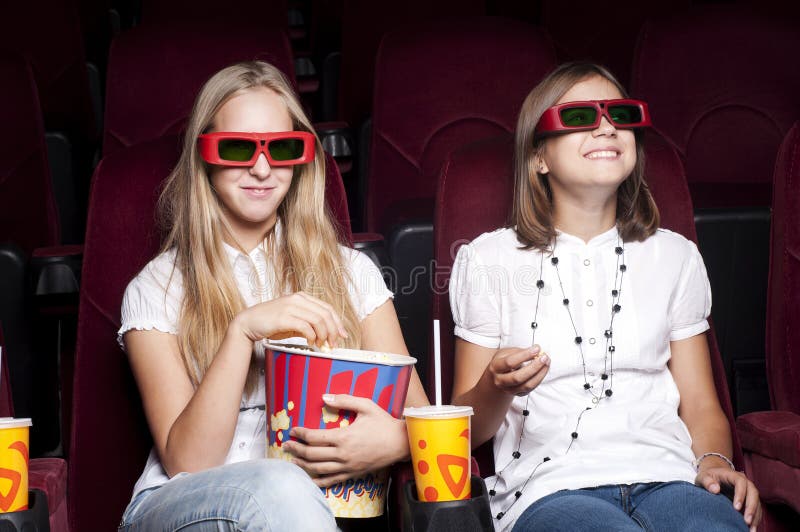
x=625 y=114
x=578 y=116
x=286 y=149
x=236 y=149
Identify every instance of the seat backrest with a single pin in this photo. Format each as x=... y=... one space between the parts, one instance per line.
x=155 y=71
x=783 y=320
x=272 y=13
x=720 y=86
x=109 y=435
x=438 y=86
x=48 y=33
x=28 y=213
x=363 y=24
x=474 y=196
x=583 y=38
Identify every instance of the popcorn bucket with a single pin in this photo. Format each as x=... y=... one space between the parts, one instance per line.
x=296 y=379
x=14 y=464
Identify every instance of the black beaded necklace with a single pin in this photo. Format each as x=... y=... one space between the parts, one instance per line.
x=608 y=361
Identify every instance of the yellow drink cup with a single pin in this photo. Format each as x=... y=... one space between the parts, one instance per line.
x=14 y=464
x=439 y=438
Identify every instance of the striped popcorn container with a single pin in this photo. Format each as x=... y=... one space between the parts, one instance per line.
x=296 y=379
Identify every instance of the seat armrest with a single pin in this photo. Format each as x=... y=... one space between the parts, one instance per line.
x=774 y=434
x=336 y=137
x=337 y=140
x=306 y=74
x=56 y=269
x=50 y=476
x=55 y=274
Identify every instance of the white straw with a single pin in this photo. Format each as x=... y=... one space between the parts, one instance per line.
x=437 y=362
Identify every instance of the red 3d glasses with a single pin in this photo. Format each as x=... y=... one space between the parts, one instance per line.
x=580 y=116
x=284 y=148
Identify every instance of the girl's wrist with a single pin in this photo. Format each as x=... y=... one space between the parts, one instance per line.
x=709 y=460
x=237 y=329
x=404 y=448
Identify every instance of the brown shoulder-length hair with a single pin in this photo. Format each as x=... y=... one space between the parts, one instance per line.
x=532 y=210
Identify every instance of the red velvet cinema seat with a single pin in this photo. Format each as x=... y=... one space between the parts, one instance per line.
x=437 y=86
x=28 y=213
x=363 y=24
x=272 y=13
x=31 y=262
x=474 y=196
x=721 y=86
x=582 y=38
x=48 y=34
x=155 y=71
x=771 y=440
x=110 y=438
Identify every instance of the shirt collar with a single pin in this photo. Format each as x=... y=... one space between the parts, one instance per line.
x=570 y=241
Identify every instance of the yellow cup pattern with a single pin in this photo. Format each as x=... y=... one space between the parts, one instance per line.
x=440 y=452
x=13 y=469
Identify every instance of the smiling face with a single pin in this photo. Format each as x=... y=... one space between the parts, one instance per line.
x=594 y=161
x=250 y=196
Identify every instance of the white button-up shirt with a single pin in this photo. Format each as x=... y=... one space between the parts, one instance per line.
x=633 y=436
x=153 y=301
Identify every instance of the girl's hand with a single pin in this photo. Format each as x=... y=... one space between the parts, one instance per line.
x=517 y=370
x=374 y=440
x=298 y=314
x=716 y=478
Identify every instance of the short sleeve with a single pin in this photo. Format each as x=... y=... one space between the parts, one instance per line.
x=474 y=300
x=152 y=299
x=691 y=304
x=368 y=290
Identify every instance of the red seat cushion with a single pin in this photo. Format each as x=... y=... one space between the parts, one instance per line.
x=777 y=485
x=772 y=434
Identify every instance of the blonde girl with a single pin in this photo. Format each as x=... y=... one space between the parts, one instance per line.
x=250 y=253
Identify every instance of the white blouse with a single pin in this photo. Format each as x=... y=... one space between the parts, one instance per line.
x=153 y=301
x=633 y=436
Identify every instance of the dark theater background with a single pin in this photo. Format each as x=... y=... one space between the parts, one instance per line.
x=95 y=94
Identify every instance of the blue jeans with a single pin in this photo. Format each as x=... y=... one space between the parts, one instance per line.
x=262 y=495
x=656 y=506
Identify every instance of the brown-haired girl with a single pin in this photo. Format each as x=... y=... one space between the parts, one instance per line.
x=581 y=342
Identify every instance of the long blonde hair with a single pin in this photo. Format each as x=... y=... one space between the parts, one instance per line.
x=306 y=256
x=532 y=210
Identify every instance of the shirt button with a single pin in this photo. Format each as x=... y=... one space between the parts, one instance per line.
x=241 y=445
x=589 y=302
x=586 y=262
x=591 y=341
x=261 y=371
